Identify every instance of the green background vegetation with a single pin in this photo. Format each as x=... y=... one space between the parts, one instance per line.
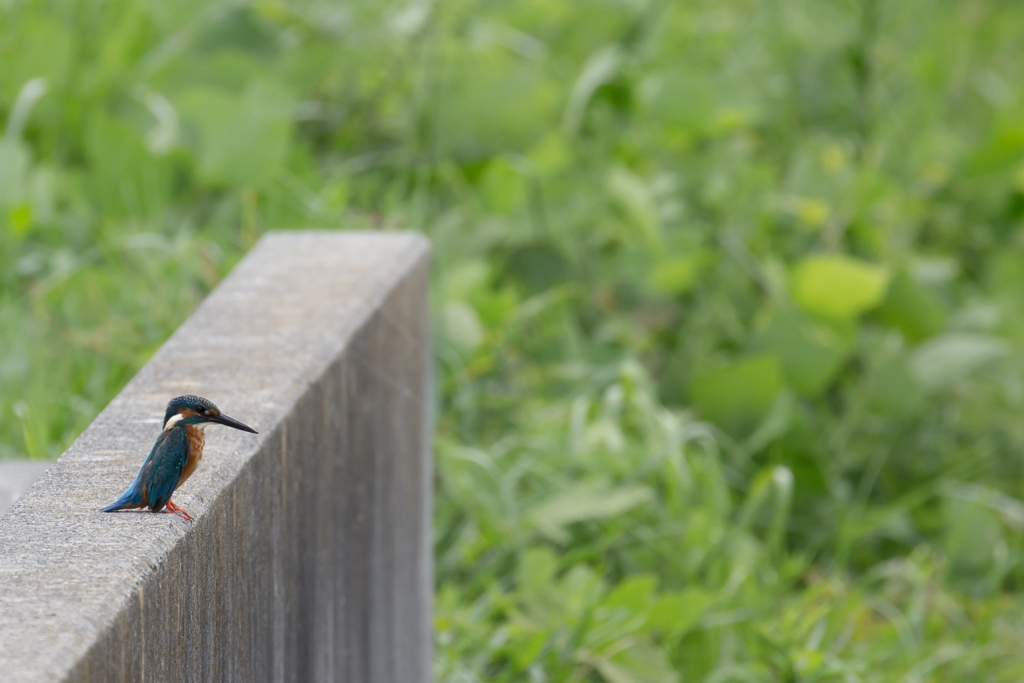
x=727 y=297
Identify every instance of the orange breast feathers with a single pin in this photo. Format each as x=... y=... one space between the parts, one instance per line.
x=196 y=441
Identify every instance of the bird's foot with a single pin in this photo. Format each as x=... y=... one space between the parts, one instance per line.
x=177 y=511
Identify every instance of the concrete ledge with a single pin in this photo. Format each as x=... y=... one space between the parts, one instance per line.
x=310 y=555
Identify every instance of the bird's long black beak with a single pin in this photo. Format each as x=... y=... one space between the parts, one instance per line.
x=232 y=422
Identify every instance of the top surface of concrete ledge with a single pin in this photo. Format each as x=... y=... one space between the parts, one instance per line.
x=253 y=347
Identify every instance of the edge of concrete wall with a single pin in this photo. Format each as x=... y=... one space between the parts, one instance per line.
x=310 y=554
x=16 y=477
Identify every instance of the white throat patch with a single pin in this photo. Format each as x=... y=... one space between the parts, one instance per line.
x=175 y=419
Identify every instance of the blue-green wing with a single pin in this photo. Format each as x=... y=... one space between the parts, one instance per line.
x=166 y=463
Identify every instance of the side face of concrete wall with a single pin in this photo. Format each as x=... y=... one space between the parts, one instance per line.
x=310 y=555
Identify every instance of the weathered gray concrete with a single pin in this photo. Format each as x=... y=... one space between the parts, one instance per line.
x=15 y=478
x=309 y=558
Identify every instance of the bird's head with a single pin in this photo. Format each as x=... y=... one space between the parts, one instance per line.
x=198 y=412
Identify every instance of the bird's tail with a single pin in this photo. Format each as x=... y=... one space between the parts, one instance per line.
x=129 y=499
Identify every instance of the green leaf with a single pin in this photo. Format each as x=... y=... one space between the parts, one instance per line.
x=28 y=96
x=775 y=424
x=811 y=353
x=538 y=265
x=945 y=360
x=686 y=99
x=41 y=48
x=15 y=159
x=550 y=155
x=461 y=326
x=838 y=286
x=678 y=275
x=586 y=501
x=1002 y=150
x=19 y=220
x=632 y=195
x=536 y=569
x=495 y=308
x=641 y=663
x=911 y=308
x=677 y=612
x=738 y=393
x=1010 y=509
x=601 y=67
x=634 y=593
x=239 y=140
x=493 y=103
x=972 y=533
x=461 y=281
x=893 y=390
x=502 y=186
x=126 y=179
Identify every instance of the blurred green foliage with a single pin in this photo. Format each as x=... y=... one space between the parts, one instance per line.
x=727 y=297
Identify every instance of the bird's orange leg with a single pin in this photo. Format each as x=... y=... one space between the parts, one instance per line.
x=175 y=510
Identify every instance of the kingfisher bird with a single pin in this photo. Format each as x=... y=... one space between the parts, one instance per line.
x=174 y=456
